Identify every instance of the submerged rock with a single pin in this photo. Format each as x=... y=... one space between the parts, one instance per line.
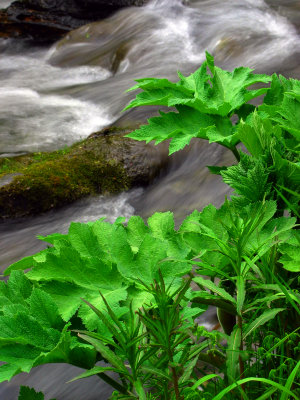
x=107 y=43
x=48 y=20
x=106 y=162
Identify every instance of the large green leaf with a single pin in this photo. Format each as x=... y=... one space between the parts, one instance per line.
x=282 y=104
x=136 y=230
x=8 y=371
x=289 y=116
x=162 y=225
x=16 y=291
x=106 y=257
x=230 y=234
x=280 y=86
x=44 y=309
x=275 y=229
x=287 y=172
x=68 y=299
x=32 y=331
x=219 y=93
x=290 y=258
x=257 y=133
x=181 y=127
x=203 y=101
x=275 y=93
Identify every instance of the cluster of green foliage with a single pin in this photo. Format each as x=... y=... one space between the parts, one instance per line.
x=125 y=292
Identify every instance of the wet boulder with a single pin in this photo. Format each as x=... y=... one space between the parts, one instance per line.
x=48 y=20
x=104 y=163
x=107 y=43
x=76 y=6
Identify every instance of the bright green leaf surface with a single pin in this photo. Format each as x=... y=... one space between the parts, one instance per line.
x=106 y=257
x=290 y=258
x=181 y=127
x=32 y=332
x=203 y=103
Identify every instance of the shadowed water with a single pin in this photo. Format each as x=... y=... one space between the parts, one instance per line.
x=53 y=97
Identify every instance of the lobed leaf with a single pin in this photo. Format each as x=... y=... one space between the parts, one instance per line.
x=27 y=393
x=181 y=127
x=32 y=331
x=108 y=257
x=290 y=258
x=203 y=102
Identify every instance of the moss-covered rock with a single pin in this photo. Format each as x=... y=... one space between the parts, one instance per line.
x=106 y=162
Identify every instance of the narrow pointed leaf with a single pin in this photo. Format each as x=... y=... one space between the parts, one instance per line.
x=95 y=371
x=214 y=288
x=205 y=379
x=289 y=382
x=242 y=381
x=233 y=353
x=106 y=353
x=262 y=319
x=156 y=371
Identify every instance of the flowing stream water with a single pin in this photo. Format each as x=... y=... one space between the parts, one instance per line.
x=52 y=97
x=5 y=3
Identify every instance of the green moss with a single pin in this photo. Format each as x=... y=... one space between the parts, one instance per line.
x=9 y=165
x=50 y=180
x=19 y=163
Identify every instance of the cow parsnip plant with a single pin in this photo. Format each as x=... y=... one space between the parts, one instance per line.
x=125 y=292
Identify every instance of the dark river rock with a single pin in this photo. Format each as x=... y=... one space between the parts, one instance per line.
x=45 y=21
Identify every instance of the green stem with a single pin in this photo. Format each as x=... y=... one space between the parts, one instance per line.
x=235 y=153
x=112 y=383
x=175 y=383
